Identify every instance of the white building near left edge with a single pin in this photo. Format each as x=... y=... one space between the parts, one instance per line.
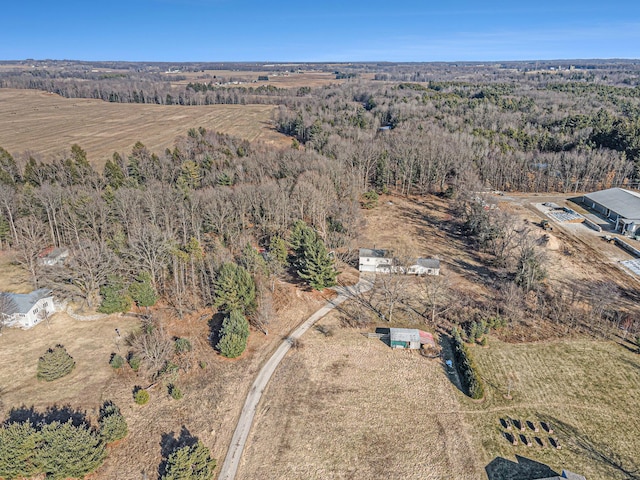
x=25 y=310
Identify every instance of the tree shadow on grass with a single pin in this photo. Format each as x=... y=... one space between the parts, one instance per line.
x=52 y=414
x=170 y=443
x=215 y=326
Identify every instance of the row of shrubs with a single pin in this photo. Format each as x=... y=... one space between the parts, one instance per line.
x=58 y=450
x=467 y=369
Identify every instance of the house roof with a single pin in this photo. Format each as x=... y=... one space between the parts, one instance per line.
x=624 y=202
x=23 y=302
x=373 y=253
x=428 y=262
x=404 y=334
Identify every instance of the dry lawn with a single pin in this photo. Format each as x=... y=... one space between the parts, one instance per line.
x=89 y=343
x=417 y=227
x=588 y=390
x=13 y=278
x=213 y=396
x=48 y=125
x=344 y=406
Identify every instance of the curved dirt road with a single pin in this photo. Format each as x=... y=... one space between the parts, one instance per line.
x=234 y=454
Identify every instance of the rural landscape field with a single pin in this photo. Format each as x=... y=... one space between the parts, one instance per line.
x=46 y=125
x=165 y=228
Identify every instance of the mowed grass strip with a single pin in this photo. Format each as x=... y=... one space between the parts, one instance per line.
x=346 y=406
x=588 y=390
x=48 y=124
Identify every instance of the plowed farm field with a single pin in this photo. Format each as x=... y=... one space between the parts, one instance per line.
x=47 y=124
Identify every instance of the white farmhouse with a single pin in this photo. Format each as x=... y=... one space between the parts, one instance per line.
x=25 y=310
x=425 y=266
x=372 y=260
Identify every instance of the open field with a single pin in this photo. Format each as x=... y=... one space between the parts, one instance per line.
x=344 y=406
x=281 y=80
x=588 y=390
x=48 y=125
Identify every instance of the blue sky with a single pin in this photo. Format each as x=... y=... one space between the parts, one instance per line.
x=321 y=30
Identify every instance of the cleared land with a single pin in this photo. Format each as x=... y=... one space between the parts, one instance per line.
x=48 y=124
x=281 y=80
x=588 y=390
x=345 y=406
x=13 y=278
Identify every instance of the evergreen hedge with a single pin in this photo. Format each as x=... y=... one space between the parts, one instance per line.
x=467 y=369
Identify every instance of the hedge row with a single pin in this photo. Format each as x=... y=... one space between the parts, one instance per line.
x=467 y=369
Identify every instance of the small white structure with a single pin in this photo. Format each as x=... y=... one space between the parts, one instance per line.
x=25 y=310
x=381 y=261
x=372 y=260
x=425 y=266
x=53 y=256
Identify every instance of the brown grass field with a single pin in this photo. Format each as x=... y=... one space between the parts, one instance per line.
x=48 y=124
x=345 y=406
x=13 y=278
x=299 y=79
x=588 y=390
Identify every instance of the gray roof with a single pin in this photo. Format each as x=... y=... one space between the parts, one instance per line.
x=373 y=253
x=428 y=262
x=623 y=202
x=23 y=302
x=404 y=334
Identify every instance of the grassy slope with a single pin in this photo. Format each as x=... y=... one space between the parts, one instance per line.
x=590 y=391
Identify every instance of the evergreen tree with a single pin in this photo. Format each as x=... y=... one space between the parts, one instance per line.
x=278 y=251
x=69 y=451
x=18 y=443
x=301 y=236
x=55 y=363
x=113 y=174
x=316 y=266
x=113 y=425
x=142 y=291
x=115 y=297
x=235 y=289
x=30 y=172
x=190 y=463
x=233 y=335
x=9 y=172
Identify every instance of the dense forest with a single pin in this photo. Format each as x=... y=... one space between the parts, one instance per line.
x=179 y=216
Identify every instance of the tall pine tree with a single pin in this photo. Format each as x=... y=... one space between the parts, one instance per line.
x=316 y=266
